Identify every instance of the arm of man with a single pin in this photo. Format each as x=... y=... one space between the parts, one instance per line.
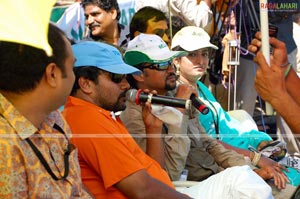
x=153 y=125
x=177 y=142
x=193 y=14
x=268 y=168
x=140 y=185
x=176 y=148
x=271 y=83
x=292 y=83
x=223 y=156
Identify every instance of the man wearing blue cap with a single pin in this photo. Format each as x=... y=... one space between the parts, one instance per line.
x=112 y=164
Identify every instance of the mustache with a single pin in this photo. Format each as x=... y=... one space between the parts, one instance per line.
x=94 y=24
x=171 y=75
x=123 y=94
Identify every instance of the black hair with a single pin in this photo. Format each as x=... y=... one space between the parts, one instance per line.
x=22 y=66
x=132 y=82
x=88 y=72
x=178 y=48
x=177 y=24
x=139 y=21
x=106 y=5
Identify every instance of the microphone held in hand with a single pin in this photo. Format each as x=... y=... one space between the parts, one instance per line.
x=200 y=106
x=138 y=97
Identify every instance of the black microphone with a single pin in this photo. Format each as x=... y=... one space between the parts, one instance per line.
x=138 y=96
x=200 y=106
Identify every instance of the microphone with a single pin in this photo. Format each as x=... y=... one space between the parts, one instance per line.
x=200 y=106
x=138 y=96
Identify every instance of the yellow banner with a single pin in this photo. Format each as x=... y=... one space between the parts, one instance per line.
x=26 y=22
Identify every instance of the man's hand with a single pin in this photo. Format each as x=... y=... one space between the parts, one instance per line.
x=153 y=125
x=270 y=80
x=151 y=122
x=279 y=56
x=184 y=91
x=270 y=169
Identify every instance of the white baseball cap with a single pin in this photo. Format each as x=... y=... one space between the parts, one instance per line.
x=192 y=38
x=149 y=48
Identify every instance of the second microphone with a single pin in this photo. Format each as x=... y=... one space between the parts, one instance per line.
x=138 y=96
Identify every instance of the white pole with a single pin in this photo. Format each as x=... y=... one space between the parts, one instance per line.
x=264 y=29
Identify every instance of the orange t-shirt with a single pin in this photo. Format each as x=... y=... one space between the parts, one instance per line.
x=107 y=153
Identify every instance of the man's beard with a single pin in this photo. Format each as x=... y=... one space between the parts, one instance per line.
x=169 y=86
x=120 y=106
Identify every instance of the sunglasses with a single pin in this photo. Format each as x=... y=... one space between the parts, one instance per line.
x=117 y=78
x=160 y=67
x=161 y=32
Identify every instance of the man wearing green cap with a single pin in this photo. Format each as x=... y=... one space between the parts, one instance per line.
x=151 y=55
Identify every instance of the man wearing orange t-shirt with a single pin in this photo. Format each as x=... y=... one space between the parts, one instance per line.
x=112 y=164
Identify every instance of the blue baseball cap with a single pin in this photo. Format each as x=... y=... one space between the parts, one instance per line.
x=102 y=56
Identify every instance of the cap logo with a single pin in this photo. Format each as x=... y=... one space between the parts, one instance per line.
x=197 y=34
x=115 y=52
x=162 y=45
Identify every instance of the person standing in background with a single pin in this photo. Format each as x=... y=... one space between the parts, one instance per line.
x=102 y=21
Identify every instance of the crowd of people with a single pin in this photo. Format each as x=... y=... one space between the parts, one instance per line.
x=103 y=144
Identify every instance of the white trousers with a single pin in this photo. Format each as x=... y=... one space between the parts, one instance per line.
x=238 y=182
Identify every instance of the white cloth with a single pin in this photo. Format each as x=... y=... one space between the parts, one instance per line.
x=72 y=22
x=191 y=13
x=167 y=114
x=235 y=182
x=244 y=118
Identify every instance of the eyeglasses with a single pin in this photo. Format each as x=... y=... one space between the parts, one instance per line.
x=117 y=78
x=161 y=32
x=159 y=66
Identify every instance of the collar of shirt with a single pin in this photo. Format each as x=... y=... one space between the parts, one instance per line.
x=23 y=127
x=74 y=101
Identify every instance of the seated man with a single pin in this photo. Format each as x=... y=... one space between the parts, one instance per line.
x=152 y=21
x=113 y=165
x=200 y=154
x=37 y=160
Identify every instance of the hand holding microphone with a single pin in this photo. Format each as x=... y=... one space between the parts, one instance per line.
x=138 y=96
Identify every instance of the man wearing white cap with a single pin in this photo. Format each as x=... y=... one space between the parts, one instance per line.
x=151 y=55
